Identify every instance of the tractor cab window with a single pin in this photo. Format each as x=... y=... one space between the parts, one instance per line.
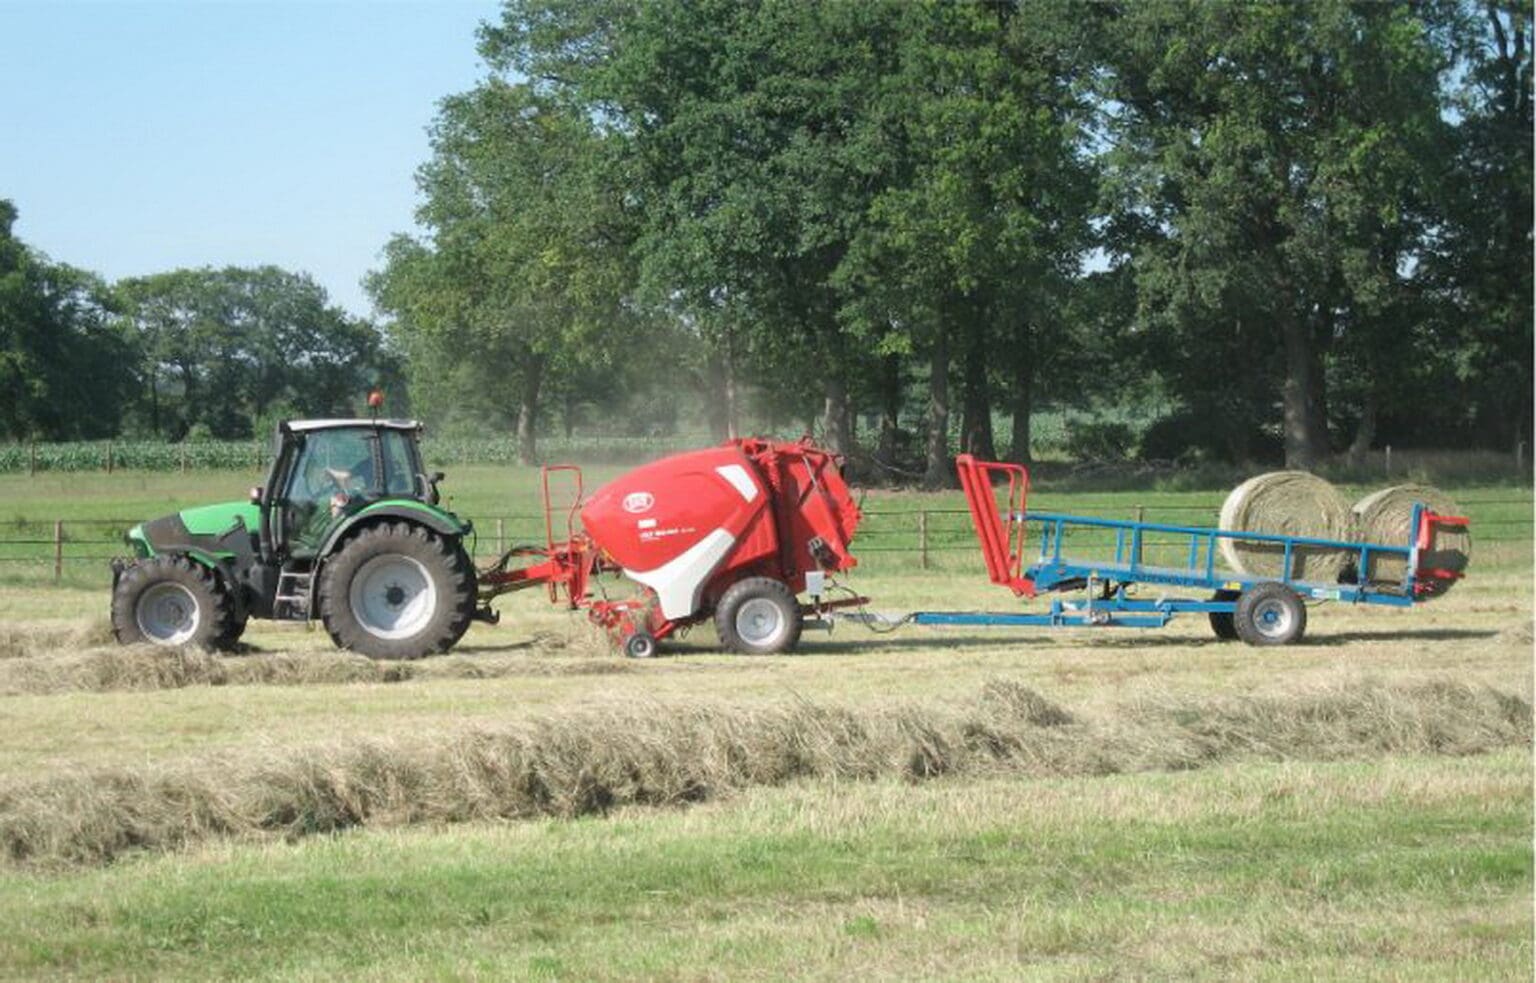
x=334 y=470
x=400 y=467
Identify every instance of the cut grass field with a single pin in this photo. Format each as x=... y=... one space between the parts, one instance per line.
x=533 y=806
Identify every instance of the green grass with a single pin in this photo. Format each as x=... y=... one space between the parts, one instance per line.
x=1392 y=867
x=1403 y=869
x=98 y=508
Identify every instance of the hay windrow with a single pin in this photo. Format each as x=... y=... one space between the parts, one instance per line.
x=1386 y=516
x=1290 y=503
x=668 y=754
x=27 y=641
x=140 y=668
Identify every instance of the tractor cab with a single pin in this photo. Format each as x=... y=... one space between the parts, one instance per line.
x=326 y=471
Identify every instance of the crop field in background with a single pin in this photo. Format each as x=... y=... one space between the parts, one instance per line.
x=945 y=804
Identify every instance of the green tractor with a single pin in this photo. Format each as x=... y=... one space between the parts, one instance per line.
x=346 y=530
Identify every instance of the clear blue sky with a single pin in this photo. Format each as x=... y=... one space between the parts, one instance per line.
x=137 y=137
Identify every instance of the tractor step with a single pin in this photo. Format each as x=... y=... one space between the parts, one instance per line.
x=291 y=602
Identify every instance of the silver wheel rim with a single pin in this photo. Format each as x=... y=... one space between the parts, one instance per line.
x=392 y=597
x=760 y=622
x=167 y=614
x=1273 y=618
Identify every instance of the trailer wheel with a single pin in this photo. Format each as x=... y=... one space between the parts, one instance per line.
x=1270 y=613
x=1224 y=623
x=170 y=600
x=758 y=616
x=398 y=591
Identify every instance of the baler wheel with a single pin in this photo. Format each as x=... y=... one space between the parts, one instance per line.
x=640 y=645
x=758 y=616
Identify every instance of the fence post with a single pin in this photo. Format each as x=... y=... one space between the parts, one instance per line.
x=58 y=550
x=32 y=457
x=922 y=539
x=1389 y=460
x=1141 y=513
x=109 y=457
x=1519 y=455
x=500 y=534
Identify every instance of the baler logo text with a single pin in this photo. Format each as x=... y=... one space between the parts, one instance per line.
x=637 y=502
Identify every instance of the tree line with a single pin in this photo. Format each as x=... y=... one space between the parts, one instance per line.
x=1299 y=229
x=214 y=353
x=1277 y=231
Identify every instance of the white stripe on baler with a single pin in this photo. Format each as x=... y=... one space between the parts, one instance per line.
x=679 y=581
x=737 y=475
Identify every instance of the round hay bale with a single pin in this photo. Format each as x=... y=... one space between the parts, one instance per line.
x=1386 y=517
x=1287 y=503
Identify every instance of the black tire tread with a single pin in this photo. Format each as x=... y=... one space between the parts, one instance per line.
x=444 y=559
x=217 y=629
x=1224 y=623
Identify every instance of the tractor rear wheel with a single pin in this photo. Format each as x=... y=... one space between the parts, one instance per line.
x=398 y=591
x=170 y=600
x=758 y=616
x=230 y=636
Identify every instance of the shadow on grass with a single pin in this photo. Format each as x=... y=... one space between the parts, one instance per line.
x=1118 y=638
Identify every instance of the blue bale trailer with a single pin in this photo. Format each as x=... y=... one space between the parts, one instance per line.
x=1260 y=610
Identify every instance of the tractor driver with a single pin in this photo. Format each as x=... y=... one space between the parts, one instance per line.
x=350 y=483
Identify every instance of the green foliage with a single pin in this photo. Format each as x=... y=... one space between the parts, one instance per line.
x=1299 y=229
x=1100 y=440
x=524 y=266
x=64 y=361
x=227 y=352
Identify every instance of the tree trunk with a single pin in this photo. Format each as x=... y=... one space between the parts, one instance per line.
x=835 y=418
x=937 y=473
x=1023 y=400
x=1365 y=432
x=732 y=418
x=528 y=409
x=154 y=402
x=890 y=410
x=716 y=398
x=1299 y=395
x=976 y=421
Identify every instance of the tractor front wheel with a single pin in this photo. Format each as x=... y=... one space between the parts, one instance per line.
x=398 y=591
x=758 y=616
x=170 y=600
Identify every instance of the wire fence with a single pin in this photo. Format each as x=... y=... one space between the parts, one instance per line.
x=51 y=549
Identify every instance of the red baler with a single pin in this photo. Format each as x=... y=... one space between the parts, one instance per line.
x=737 y=531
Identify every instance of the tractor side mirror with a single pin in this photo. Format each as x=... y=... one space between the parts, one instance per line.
x=256 y=491
x=429 y=486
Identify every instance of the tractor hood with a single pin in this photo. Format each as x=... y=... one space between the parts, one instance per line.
x=196 y=528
